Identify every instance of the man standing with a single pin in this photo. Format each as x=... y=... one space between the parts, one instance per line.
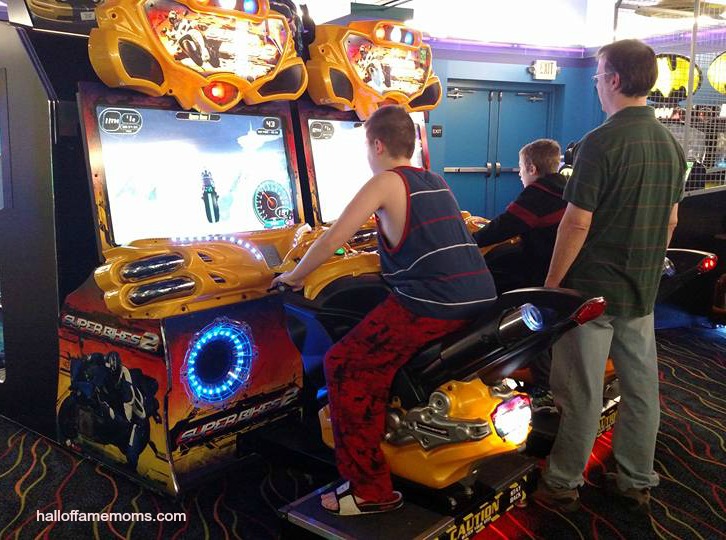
x=622 y=208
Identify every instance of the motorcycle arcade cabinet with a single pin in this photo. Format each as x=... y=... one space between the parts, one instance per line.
x=447 y=495
x=173 y=348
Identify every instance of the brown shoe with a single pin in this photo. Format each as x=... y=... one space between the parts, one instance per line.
x=567 y=500
x=635 y=500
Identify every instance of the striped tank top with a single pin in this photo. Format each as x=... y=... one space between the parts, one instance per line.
x=436 y=270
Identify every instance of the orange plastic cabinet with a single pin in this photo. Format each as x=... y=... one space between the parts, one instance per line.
x=208 y=54
x=367 y=63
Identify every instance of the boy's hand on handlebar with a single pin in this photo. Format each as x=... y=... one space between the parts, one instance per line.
x=286 y=279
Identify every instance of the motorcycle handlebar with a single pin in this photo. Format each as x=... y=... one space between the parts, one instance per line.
x=281 y=287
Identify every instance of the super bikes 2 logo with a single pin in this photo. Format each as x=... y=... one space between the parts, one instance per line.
x=147 y=341
x=231 y=420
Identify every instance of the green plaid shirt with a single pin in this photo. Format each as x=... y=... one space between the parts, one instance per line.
x=629 y=172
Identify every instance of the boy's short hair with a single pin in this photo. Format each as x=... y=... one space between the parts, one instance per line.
x=393 y=126
x=543 y=154
x=636 y=64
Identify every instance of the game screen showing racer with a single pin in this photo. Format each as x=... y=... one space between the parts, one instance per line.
x=334 y=142
x=172 y=174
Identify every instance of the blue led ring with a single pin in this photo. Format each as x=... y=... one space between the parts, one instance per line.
x=532 y=317
x=234 y=340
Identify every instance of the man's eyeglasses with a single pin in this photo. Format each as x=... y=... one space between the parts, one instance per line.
x=597 y=76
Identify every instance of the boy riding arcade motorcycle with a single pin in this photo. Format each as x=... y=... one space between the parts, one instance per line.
x=439 y=282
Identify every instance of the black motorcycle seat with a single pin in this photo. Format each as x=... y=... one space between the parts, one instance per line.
x=546 y=299
x=476 y=350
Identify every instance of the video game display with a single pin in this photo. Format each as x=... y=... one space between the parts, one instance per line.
x=183 y=174
x=215 y=43
x=332 y=141
x=387 y=69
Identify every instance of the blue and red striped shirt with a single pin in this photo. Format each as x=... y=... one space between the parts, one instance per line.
x=436 y=270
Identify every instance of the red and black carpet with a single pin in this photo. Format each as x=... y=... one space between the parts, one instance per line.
x=39 y=476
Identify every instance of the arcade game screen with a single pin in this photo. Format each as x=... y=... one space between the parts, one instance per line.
x=333 y=142
x=175 y=174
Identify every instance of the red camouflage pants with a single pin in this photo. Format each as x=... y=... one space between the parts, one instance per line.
x=359 y=370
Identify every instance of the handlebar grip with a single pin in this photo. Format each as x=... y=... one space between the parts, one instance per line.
x=281 y=288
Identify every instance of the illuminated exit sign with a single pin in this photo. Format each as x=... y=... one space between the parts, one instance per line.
x=544 y=70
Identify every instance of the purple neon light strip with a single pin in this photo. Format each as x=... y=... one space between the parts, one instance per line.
x=477 y=46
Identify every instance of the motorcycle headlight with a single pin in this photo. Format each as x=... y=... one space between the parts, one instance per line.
x=511 y=419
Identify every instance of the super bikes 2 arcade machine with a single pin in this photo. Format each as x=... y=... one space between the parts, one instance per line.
x=455 y=424
x=173 y=347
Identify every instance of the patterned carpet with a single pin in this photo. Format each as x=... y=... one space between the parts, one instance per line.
x=690 y=458
x=36 y=475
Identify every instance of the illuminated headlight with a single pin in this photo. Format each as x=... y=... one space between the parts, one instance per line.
x=511 y=419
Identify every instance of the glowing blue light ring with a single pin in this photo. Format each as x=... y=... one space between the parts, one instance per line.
x=239 y=337
x=532 y=317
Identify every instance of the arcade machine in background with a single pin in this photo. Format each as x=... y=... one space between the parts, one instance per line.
x=701 y=223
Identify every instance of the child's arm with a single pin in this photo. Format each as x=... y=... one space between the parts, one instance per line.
x=501 y=228
x=518 y=218
x=369 y=199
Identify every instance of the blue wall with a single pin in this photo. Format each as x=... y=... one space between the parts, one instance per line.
x=576 y=107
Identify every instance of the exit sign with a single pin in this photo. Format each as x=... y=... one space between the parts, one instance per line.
x=544 y=70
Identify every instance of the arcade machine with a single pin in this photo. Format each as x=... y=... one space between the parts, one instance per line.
x=455 y=424
x=172 y=348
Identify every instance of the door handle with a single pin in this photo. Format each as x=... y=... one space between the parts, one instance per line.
x=488 y=172
x=497 y=169
x=509 y=169
x=485 y=170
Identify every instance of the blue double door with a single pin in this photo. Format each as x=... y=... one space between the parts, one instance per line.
x=485 y=129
